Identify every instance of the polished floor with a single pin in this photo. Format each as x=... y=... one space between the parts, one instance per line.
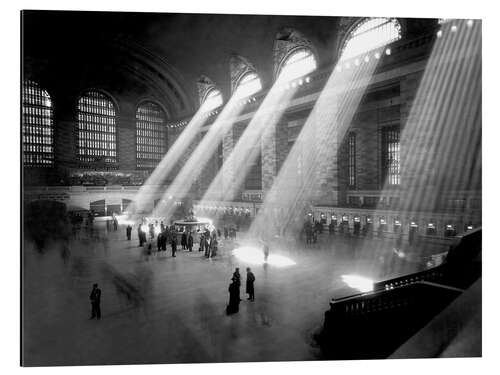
x=159 y=309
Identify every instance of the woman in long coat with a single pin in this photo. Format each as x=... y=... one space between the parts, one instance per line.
x=234 y=297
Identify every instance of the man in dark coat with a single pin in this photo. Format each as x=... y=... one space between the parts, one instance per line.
x=174 y=245
x=207 y=245
x=159 y=241
x=234 y=297
x=95 y=301
x=183 y=240
x=129 y=232
x=140 y=234
x=190 y=242
x=250 y=281
x=225 y=233
x=202 y=242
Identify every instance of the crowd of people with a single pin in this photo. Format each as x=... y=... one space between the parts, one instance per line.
x=163 y=235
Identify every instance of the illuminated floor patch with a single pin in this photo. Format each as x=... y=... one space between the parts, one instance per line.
x=253 y=255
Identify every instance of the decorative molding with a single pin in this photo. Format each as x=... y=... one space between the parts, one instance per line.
x=239 y=66
x=287 y=41
x=204 y=84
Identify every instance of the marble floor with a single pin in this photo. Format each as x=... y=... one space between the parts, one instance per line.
x=159 y=309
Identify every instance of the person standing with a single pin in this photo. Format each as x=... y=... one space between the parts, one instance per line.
x=95 y=301
x=140 y=235
x=266 y=252
x=202 y=242
x=159 y=241
x=129 y=232
x=207 y=245
x=237 y=277
x=183 y=240
x=174 y=245
x=190 y=242
x=213 y=247
x=115 y=222
x=249 y=289
x=234 y=297
x=225 y=233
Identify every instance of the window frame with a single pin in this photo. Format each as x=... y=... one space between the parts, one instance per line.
x=146 y=135
x=39 y=142
x=94 y=135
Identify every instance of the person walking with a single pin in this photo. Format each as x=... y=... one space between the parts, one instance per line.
x=250 y=289
x=129 y=232
x=95 y=301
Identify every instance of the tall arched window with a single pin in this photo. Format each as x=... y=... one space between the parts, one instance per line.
x=248 y=85
x=297 y=64
x=370 y=34
x=213 y=99
x=96 y=128
x=38 y=130
x=151 y=134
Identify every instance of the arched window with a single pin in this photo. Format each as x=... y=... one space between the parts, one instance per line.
x=38 y=130
x=151 y=134
x=213 y=99
x=297 y=64
x=96 y=128
x=370 y=34
x=248 y=85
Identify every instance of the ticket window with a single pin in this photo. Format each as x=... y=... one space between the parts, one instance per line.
x=449 y=230
x=357 y=224
x=333 y=224
x=334 y=220
x=344 y=223
x=413 y=231
x=431 y=229
x=368 y=229
x=323 y=218
x=382 y=223
x=397 y=226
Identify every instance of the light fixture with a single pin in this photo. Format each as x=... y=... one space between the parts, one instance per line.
x=453 y=28
x=308 y=79
x=388 y=51
x=439 y=34
x=377 y=55
x=367 y=59
x=356 y=62
x=470 y=23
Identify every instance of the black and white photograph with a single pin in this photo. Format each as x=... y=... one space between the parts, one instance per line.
x=214 y=187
